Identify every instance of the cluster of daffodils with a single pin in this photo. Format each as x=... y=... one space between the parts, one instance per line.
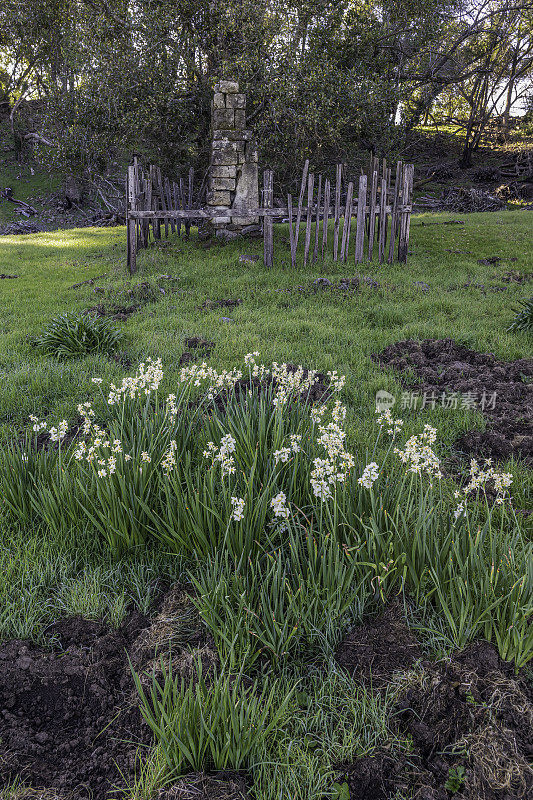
x=198 y=375
x=479 y=478
x=147 y=380
x=86 y=411
x=285 y=453
x=418 y=454
x=56 y=434
x=238 y=508
x=334 y=468
x=369 y=476
x=386 y=421
x=37 y=424
x=222 y=454
x=279 y=506
x=100 y=452
x=169 y=459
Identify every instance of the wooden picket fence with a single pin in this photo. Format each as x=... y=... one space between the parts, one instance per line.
x=379 y=204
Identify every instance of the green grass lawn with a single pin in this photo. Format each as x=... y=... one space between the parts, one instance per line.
x=43 y=577
x=280 y=315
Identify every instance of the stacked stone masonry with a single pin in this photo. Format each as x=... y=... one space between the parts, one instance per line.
x=233 y=175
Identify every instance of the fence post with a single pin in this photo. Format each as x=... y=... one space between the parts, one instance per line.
x=131 y=223
x=268 y=225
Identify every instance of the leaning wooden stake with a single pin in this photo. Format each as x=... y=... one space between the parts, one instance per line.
x=345 y=244
x=300 y=202
x=337 y=218
x=268 y=227
x=309 y=216
x=189 y=199
x=361 y=211
x=383 y=219
x=405 y=218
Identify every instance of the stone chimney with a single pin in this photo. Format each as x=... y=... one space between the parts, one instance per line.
x=233 y=177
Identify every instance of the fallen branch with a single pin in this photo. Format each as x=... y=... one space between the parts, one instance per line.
x=23 y=208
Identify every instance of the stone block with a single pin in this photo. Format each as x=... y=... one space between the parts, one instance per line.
x=226 y=146
x=230 y=87
x=219 y=100
x=239 y=120
x=220 y=198
x=232 y=136
x=236 y=101
x=224 y=118
x=247 y=192
x=223 y=183
x=219 y=158
x=223 y=172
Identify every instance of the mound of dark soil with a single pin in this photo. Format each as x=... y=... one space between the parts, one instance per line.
x=497 y=388
x=69 y=720
x=472 y=712
x=197 y=347
x=352 y=284
x=469 y=714
x=379 y=647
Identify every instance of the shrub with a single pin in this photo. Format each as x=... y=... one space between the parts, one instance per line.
x=73 y=334
x=523 y=320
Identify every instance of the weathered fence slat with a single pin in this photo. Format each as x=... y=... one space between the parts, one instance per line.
x=268 y=184
x=405 y=215
x=372 y=214
x=317 y=217
x=336 y=222
x=291 y=232
x=325 y=218
x=309 y=215
x=361 y=209
x=394 y=213
x=383 y=218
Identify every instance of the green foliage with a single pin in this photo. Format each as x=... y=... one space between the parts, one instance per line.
x=455 y=780
x=523 y=321
x=217 y=721
x=71 y=334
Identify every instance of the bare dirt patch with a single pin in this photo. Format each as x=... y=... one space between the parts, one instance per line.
x=445 y=367
x=379 y=647
x=469 y=716
x=69 y=720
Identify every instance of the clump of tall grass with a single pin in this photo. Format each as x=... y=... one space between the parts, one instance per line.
x=74 y=334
